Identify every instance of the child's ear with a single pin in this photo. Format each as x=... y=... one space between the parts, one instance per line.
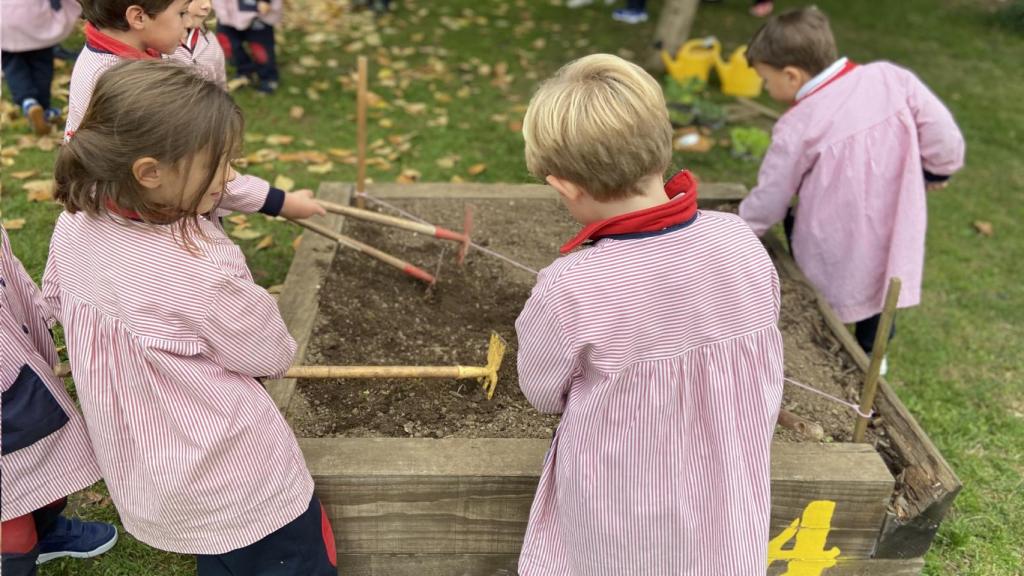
x=136 y=17
x=566 y=188
x=147 y=172
x=795 y=76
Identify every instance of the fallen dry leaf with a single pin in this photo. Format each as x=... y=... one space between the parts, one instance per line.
x=39 y=190
x=280 y=139
x=296 y=242
x=24 y=174
x=276 y=288
x=266 y=242
x=476 y=169
x=236 y=83
x=457 y=179
x=984 y=228
x=305 y=156
x=408 y=176
x=245 y=233
x=284 y=183
x=297 y=112
x=386 y=123
x=322 y=168
x=261 y=156
x=515 y=126
x=239 y=220
x=46 y=144
x=14 y=224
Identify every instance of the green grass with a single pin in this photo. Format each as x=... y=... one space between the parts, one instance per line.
x=957 y=360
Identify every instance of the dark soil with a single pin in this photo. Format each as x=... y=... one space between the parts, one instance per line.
x=372 y=314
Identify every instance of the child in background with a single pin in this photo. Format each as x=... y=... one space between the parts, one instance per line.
x=658 y=344
x=200 y=47
x=167 y=333
x=851 y=149
x=29 y=31
x=46 y=450
x=241 y=22
x=119 y=30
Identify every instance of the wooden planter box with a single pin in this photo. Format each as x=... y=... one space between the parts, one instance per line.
x=412 y=506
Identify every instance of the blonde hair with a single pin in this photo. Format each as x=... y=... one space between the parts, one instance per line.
x=601 y=123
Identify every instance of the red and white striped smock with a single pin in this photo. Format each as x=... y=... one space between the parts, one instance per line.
x=202 y=50
x=663 y=355
x=243 y=194
x=62 y=462
x=165 y=346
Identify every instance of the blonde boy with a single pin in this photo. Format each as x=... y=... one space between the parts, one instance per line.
x=657 y=343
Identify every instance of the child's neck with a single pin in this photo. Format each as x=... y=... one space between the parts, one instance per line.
x=124 y=36
x=652 y=193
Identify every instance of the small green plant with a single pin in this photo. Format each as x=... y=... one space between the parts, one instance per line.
x=683 y=92
x=751 y=143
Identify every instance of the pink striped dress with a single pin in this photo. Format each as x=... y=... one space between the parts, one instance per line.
x=663 y=355
x=54 y=463
x=243 y=194
x=165 y=345
x=202 y=50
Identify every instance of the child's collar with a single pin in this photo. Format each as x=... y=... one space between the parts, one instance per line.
x=680 y=210
x=836 y=70
x=97 y=41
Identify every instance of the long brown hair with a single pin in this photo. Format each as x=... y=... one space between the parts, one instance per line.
x=157 y=109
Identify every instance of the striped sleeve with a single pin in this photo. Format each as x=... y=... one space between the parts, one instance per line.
x=243 y=331
x=546 y=364
x=251 y=194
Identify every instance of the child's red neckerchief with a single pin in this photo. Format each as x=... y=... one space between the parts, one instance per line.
x=100 y=42
x=681 y=190
x=850 y=65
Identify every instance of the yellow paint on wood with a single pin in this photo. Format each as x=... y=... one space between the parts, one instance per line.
x=808 y=556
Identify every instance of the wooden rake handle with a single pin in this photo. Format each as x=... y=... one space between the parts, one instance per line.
x=394 y=221
x=349 y=242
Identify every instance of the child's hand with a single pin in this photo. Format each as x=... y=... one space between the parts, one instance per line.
x=936 y=185
x=300 y=204
x=263 y=8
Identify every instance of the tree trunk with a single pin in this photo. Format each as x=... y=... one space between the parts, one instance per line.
x=674 y=25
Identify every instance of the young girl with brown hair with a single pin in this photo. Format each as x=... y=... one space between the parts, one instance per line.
x=167 y=332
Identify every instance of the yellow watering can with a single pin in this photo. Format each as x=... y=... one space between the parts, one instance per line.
x=694 y=59
x=736 y=76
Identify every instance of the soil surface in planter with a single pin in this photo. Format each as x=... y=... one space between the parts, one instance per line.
x=372 y=314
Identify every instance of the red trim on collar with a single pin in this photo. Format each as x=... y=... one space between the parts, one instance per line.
x=100 y=41
x=123 y=212
x=850 y=65
x=681 y=190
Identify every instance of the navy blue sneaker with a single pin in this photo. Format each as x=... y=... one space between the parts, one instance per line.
x=77 y=539
x=267 y=86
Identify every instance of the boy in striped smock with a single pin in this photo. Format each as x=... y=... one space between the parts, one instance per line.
x=167 y=333
x=200 y=47
x=118 y=30
x=657 y=341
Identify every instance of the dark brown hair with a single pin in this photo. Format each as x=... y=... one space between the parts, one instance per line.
x=107 y=14
x=800 y=38
x=147 y=108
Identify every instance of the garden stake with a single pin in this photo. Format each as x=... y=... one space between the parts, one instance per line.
x=349 y=242
x=404 y=224
x=486 y=375
x=867 y=395
x=361 y=133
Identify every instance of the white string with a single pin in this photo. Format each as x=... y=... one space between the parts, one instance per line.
x=483 y=249
x=850 y=405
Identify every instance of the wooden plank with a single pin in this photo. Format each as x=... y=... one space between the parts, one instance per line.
x=300 y=299
x=928 y=482
x=505 y=565
x=707 y=191
x=428 y=564
x=674 y=24
x=473 y=496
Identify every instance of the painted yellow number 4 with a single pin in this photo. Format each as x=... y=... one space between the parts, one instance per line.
x=808 y=556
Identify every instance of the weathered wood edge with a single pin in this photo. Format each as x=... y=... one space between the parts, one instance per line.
x=707 y=192
x=300 y=298
x=931 y=480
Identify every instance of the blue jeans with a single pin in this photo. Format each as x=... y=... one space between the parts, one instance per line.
x=29 y=75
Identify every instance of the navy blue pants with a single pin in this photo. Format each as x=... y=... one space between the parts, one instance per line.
x=29 y=75
x=303 y=547
x=260 y=37
x=864 y=330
